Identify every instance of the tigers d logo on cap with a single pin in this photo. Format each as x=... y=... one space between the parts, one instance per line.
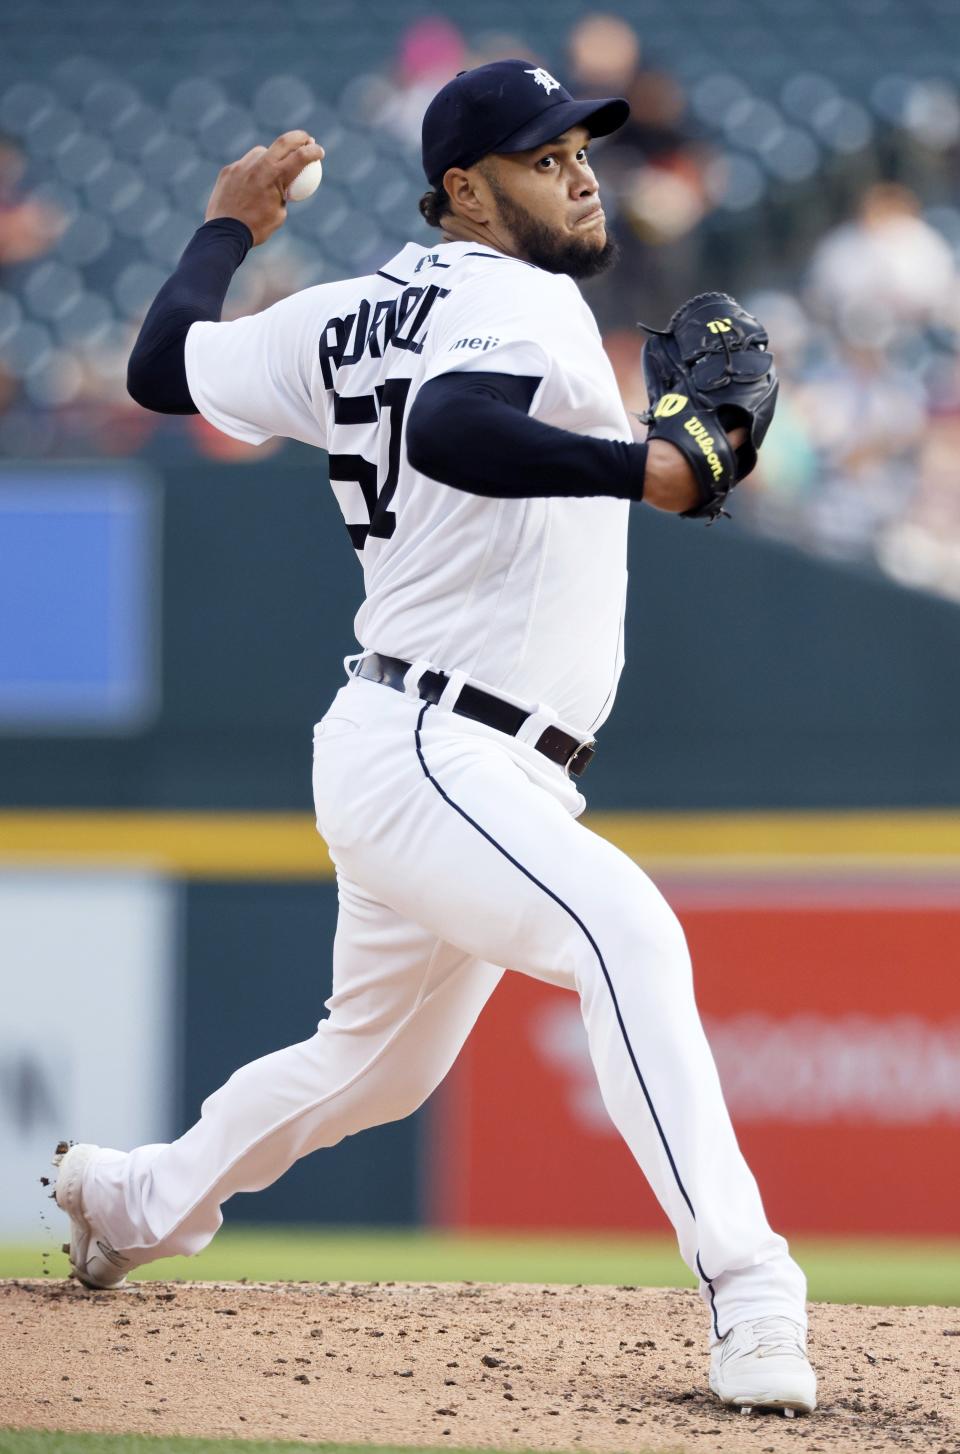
x=543 y=78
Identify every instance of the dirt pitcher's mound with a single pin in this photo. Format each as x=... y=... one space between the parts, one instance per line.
x=563 y=1368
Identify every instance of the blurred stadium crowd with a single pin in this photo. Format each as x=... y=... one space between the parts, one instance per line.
x=801 y=154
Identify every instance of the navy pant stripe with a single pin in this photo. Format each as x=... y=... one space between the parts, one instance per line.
x=713 y=1295
x=600 y=960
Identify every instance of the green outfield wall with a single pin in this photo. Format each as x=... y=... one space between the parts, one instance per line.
x=756 y=676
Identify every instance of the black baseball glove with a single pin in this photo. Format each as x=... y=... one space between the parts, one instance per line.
x=707 y=372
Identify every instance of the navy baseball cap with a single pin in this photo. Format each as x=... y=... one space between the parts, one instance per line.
x=506 y=106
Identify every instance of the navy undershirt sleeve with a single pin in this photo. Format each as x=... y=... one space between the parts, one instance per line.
x=473 y=431
x=156 y=373
x=469 y=430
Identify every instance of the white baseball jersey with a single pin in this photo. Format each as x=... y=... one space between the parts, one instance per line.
x=524 y=595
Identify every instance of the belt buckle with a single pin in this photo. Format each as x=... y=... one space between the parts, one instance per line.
x=579 y=760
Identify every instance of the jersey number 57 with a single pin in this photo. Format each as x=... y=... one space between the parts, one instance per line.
x=387 y=398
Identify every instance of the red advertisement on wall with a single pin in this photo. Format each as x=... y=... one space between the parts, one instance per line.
x=833 y=1011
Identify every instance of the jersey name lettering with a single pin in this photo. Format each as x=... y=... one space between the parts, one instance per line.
x=345 y=340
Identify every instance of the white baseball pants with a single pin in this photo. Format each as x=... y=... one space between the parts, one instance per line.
x=458 y=853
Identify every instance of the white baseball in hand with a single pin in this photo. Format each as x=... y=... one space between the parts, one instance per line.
x=305 y=183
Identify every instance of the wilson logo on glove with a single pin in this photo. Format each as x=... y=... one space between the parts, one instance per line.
x=706 y=442
x=720 y=325
x=670 y=404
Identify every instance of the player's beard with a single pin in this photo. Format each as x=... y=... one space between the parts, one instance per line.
x=577 y=257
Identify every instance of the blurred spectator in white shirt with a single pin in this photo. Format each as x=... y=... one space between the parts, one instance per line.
x=885 y=270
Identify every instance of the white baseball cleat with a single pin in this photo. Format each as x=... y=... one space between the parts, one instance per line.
x=763 y=1364
x=93 y=1261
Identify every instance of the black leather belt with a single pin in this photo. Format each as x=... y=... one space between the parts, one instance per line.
x=481 y=706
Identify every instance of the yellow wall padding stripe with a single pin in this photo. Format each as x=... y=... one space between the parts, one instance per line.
x=753 y=839
x=188 y=845
x=286 y=845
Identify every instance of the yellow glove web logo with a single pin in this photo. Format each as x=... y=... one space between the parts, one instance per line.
x=670 y=404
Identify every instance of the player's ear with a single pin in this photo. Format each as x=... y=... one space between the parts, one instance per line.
x=469 y=196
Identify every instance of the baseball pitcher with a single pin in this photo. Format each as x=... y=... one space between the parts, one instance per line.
x=485 y=468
